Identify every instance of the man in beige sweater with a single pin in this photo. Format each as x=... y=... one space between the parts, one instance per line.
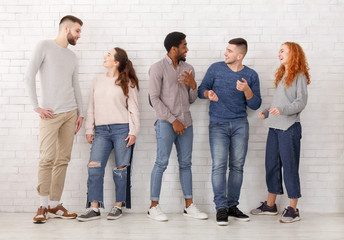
x=60 y=110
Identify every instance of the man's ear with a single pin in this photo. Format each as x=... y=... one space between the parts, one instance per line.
x=65 y=28
x=173 y=49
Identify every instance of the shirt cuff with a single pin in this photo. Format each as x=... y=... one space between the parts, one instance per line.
x=90 y=131
x=171 y=119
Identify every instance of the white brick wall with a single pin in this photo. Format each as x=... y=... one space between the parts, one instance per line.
x=139 y=26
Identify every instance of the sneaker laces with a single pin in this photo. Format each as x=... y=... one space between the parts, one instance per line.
x=222 y=214
x=41 y=211
x=192 y=208
x=115 y=209
x=287 y=213
x=158 y=209
x=88 y=210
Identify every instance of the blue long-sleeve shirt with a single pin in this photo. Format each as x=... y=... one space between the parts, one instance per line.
x=232 y=102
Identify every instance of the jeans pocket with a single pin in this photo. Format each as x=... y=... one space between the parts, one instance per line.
x=98 y=130
x=157 y=128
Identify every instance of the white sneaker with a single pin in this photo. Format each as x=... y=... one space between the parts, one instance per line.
x=194 y=212
x=156 y=214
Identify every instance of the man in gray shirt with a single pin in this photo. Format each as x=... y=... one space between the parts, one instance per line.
x=60 y=112
x=172 y=89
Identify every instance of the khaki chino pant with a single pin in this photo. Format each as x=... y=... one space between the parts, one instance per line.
x=56 y=142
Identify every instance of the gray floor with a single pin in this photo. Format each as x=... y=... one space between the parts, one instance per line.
x=138 y=226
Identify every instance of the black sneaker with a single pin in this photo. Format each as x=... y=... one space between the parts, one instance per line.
x=237 y=214
x=289 y=215
x=89 y=215
x=222 y=217
x=115 y=213
x=264 y=209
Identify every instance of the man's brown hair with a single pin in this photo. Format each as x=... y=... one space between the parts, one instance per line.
x=241 y=43
x=71 y=18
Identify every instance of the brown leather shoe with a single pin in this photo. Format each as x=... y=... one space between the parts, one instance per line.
x=41 y=215
x=60 y=212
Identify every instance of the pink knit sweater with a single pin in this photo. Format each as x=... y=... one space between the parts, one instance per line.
x=108 y=105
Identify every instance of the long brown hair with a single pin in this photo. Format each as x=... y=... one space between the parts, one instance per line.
x=297 y=64
x=127 y=75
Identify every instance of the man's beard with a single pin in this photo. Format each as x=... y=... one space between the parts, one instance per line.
x=71 y=39
x=180 y=58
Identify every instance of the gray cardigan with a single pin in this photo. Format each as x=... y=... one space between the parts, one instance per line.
x=289 y=101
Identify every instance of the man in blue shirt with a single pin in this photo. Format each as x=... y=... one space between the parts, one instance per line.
x=231 y=87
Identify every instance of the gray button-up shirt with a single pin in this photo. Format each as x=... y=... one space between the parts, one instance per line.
x=170 y=99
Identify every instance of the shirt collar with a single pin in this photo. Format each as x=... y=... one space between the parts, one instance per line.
x=169 y=60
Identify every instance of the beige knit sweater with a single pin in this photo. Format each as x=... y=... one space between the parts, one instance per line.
x=108 y=105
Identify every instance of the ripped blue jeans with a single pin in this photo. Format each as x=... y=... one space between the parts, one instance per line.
x=106 y=138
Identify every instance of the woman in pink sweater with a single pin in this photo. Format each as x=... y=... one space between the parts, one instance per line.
x=112 y=123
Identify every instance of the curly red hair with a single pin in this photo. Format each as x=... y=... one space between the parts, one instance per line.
x=296 y=65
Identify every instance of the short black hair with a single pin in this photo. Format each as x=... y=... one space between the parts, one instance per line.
x=71 y=18
x=173 y=39
x=240 y=42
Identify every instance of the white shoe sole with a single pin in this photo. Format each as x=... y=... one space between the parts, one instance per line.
x=43 y=221
x=240 y=219
x=222 y=223
x=265 y=213
x=159 y=220
x=51 y=215
x=88 y=219
x=188 y=215
x=39 y=221
x=294 y=220
x=113 y=218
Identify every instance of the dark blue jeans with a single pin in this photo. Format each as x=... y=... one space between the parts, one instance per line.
x=106 y=138
x=228 y=146
x=283 y=151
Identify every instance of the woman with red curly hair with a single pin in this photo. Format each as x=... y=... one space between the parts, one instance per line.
x=283 y=142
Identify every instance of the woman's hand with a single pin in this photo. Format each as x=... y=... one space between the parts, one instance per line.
x=89 y=138
x=131 y=139
x=261 y=115
x=274 y=111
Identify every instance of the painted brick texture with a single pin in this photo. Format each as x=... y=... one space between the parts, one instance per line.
x=140 y=26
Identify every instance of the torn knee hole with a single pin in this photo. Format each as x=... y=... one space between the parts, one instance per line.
x=121 y=167
x=94 y=164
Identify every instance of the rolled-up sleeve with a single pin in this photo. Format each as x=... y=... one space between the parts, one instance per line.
x=193 y=92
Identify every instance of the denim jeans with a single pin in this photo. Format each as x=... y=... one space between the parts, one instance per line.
x=228 y=146
x=283 y=151
x=106 y=138
x=165 y=137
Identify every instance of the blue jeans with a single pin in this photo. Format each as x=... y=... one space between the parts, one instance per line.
x=106 y=138
x=165 y=137
x=283 y=151
x=228 y=146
